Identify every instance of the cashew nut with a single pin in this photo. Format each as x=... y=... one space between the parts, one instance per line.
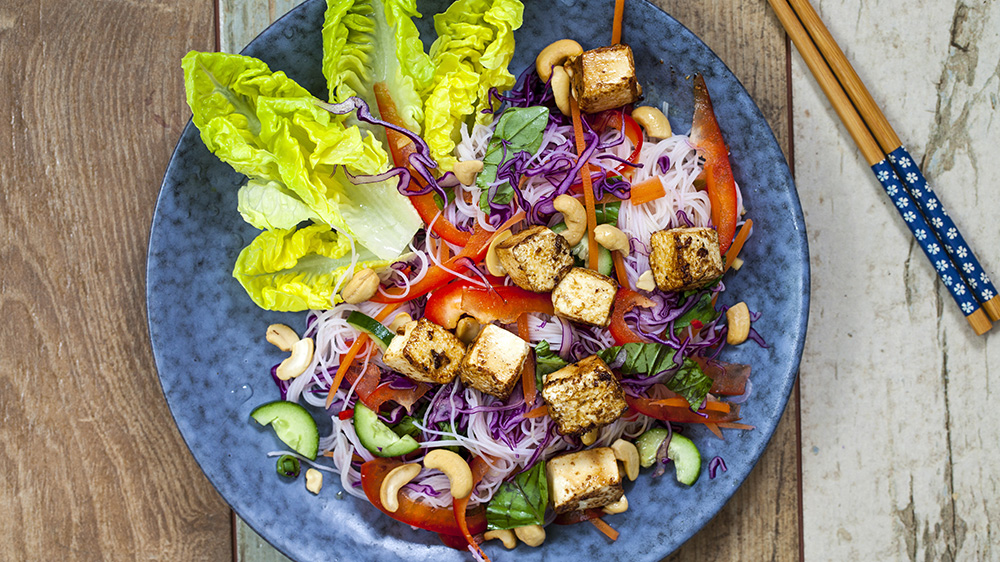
x=554 y=55
x=629 y=455
x=398 y=322
x=493 y=264
x=314 y=480
x=612 y=238
x=467 y=329
x=589 y=438
x=398 y=477
x=531 y=535
x=575 y=217
x=646 y=281
x=454 y=467
x=361 y=287
x=560 y=89
x=738 y=320
x=466 y=170
x=653 y=121
x=506 y=536
x=620 y=506
x=297 y=363
x=281 y=336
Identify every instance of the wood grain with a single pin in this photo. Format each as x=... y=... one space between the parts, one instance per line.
x=92 y=103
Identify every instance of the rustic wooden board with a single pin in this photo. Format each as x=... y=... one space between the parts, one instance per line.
x=899 y=433
x=92 y=103
x=762 y=520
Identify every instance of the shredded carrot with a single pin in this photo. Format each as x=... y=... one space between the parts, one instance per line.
x=682 y=403
x=385 y=312
x=604 y=528
x=588 y=187
x=348 y=358
x=646 y=191
x=734 y=425
x=528 y=370
x=538 y=412
x=620 y=269
x=616 y=28
x=734 y=250
x=715 y=429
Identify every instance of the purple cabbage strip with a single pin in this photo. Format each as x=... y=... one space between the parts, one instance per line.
x=715 y=464
x=663 y=162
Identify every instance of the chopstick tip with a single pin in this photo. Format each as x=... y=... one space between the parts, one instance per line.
x=979 y=321
x=992 y=307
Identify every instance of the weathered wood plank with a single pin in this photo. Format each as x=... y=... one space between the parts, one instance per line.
x=899 y=435
x=92 y=103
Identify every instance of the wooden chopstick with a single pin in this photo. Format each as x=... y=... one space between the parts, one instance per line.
x=945 y=229
x=894 y=186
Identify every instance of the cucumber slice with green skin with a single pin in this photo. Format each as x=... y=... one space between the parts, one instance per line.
x=381 y=335
x=580 y=252
x=293 y=425
x=681 y=450
x=377 y=437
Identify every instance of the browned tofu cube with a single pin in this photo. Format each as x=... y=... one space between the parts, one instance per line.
x=583 y=396
x=584 y=480
x=604 y=78
x=425 y=352
x=585 y=296
x=494 y=361
x=535 y=258
x=685 y=258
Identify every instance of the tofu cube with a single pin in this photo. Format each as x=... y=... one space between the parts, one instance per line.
x=585 y=296
x=584 y=479
x=425 y=352
x=583 y=396
x=494 y=361
x=535 y=258
x=604 y=78
x=685 y=258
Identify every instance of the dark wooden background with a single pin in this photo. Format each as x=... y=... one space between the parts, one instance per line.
x=92 y=467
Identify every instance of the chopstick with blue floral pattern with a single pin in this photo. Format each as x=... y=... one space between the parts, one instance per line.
x=906 y=188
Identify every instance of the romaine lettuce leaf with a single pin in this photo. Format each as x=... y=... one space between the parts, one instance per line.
x=470 y=56
x=366 y=42
x=293 y=270
x=267 y=205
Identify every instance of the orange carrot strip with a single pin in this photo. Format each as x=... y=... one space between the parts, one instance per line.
x=682 y=403
x=646 y=191
x=385 y=312
x=538 y=412
x=619 y=261
x=734 y=250
x=715 y=429
x=528 y=370
x=604 y=528
x=588 y=187
x=734 y=425
x=616 y=27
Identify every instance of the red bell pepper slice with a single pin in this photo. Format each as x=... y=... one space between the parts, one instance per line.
x=681 y=414
x=405 y=397
x=444 y=306
x=625 y=300
x=504 y=303
x=436 y=519
x=721 y=187
x=728 y=379
x=400 y=147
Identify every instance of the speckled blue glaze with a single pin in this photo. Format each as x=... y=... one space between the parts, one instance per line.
x=208 y=337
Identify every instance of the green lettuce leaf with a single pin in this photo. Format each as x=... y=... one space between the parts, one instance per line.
x=367 y=42
x=520 y=501
x=470 y=56
x=293 y=270
x=651 y=359
x=267 y=205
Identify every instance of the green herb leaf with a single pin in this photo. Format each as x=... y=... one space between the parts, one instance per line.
x=546 y=361
x=519 y=129
x=651 y=359
x=520 y=501
x=703 y=311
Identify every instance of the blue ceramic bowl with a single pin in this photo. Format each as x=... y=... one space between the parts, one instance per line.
x=213 y=363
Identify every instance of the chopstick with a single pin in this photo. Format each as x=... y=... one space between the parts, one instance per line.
x=910 y=193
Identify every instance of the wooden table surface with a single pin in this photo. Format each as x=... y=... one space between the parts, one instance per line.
x=897 y=458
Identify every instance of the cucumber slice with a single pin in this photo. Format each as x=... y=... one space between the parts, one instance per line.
x=580 y=252
x=379 y=333
x=293 y=425
x=681 y=450
x=377 y=437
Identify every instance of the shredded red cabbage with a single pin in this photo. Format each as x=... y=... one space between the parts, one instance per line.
x=715 y=464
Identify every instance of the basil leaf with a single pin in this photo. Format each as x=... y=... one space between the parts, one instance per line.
x=704 y=312
x=520 y=501
x=546 y=361
x=651 y=359
x=519 y=129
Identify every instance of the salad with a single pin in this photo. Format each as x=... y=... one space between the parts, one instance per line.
x=512 y=282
